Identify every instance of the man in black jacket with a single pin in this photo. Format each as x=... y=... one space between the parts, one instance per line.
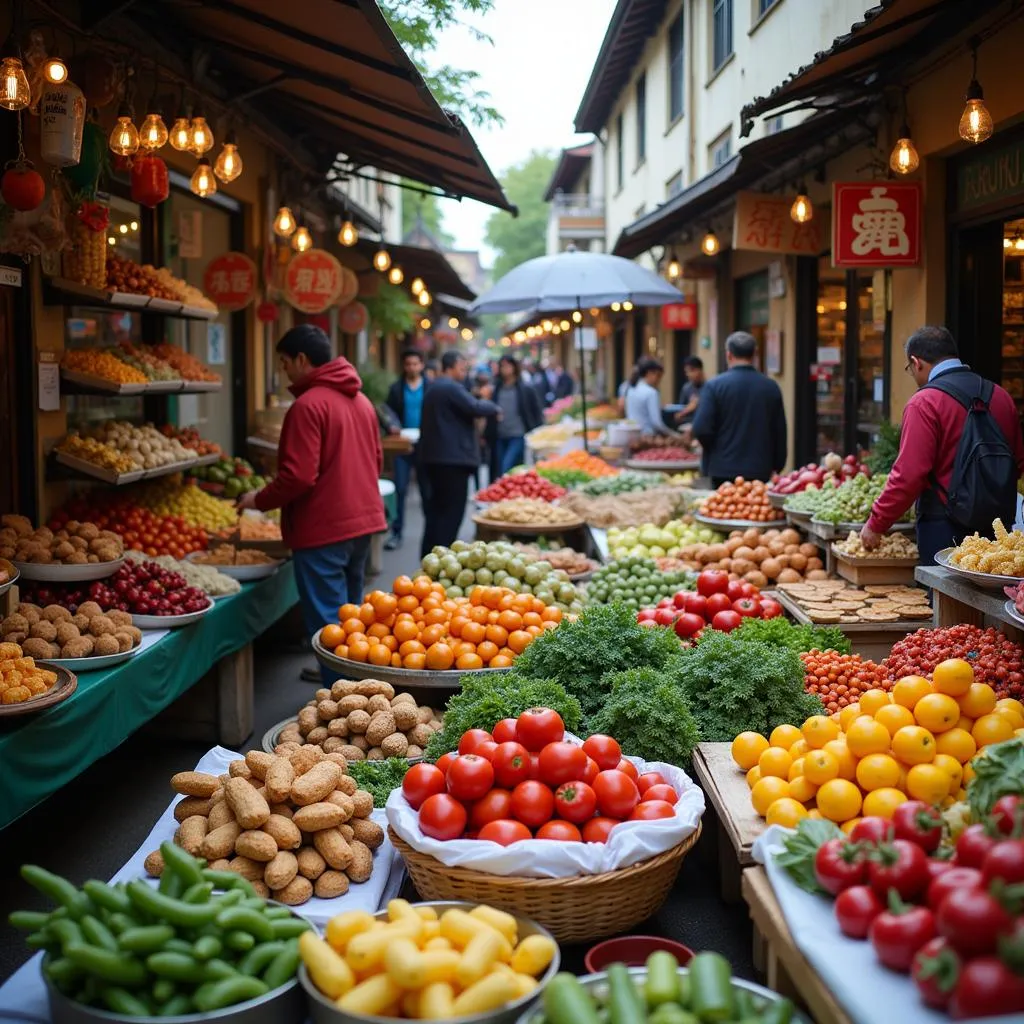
x=449 y=450
x=520 y=413
x=740 y=421
x=405 y=400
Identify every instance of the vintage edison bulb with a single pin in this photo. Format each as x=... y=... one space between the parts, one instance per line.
x=302 y=239
x=14 y=89
x=802 y=210
x=675 y=270
x=424 y=298
x=382 y=259
x=284 y=223
x=55 y=70
x=348 y=235
x=203 y=183
x=904 y=159
x=229 y=163
x=709 y=244
x=200 y=136
x=153 y=133
x=181 y=133
x=417 y=285
x=975 y=122
x=396 y=275
x=124 y=137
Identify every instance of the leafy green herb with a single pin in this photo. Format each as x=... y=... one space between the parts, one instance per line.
x=379 y=778
x=998 y=771
x=886 y=448
x=801 y=848
x=648 y=714
x=484 y=701
x=780 y=632
x=733 y=685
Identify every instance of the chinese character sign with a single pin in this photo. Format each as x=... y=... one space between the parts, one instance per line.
x=876 y=224
x=313 y=281
x=763 y=224
x=679 y=316
x=354 y=318
x=230 y=280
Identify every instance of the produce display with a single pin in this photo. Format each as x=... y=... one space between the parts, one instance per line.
x=362 y=720
x=799 y=637
x=827 y=600
x=189 y=438
x=529 y=512
x=521 y=485
x=761 y=557
x=742 y=500
x=101 y=455
x=292 y=825
x=413 y=964
x=140 y=528
x=185 y=501
x=21 y=678
x=551 y=435
x=995 y=658
x=53 y=632
x=651 y=541
x=670 y=453
x=656 y=506
x=892 y=545
x=227 y=554
x=840 y=679
x=229 y=478
x=129 y=948
x=145 y=446
x=146 y=588
x=125 y=275
x=200 y=577
x=565 y=478
x=74 y=543
x=188 y=367
x=143 y=359
x=101 y=363
x=1003 y=556
x=258 y=527
x=635 y=583
x=850 y=502
x=561 y=558
x=833 y=469
x=623 y=483
x=579 y=459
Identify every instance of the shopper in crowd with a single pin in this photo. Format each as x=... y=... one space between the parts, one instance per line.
x=643 y=400
x=430 y=369
x=328 y=463
x=539 y=383
x=520 y=413
x=957 y=492
x=740 y=420
x=405 y=399
x=689 y=393
x=449 y=448
x=563 y=385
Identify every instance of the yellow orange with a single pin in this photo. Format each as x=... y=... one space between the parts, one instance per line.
x=965 y=723
x=799 y=748
x=500 y=661
x=440 y=656
x=928 y=782
x=953 y=676
x=847 y=762
x=877 y=771
x=747 y=747
x=332 y=635
x=914 y=745
x=1015 y=717
x=1012 y=703
x=994 y=728
x=414 y=661
x=909 y=690
x=766 y=792
x=785 y=812
x=802 y=789
x=881 y=803
x=872 y=701
x=820 y=766
x=784 y=736
x=469 y=661
x=866 y=736
x=952 y=767
x=775 y=761
x=839 y=800
x=358 y=651
x=818 y=730
x=848 y=714
x=895 y=716
x=753 y=776
x=937 y=712
x=815 y=814
x=402 y=586
x=980 y=699
x=379 y=655
x=348 y=611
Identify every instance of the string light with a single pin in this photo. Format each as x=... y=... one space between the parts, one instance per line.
x=519 y=336
x=348 y=235
x=229 y=163
x=123 y=229
x=124 y=136
x=904 y=159
x=802 y=209
x=55 y=70
x=134 y=225
x=284 y=223
x=577 y=317
x=565 y=325
x=153 y=133
x=203 y=182
x=425 y=324
x=14 y=89
x=467 y=334
x=181 y=133
x=302 y=240
x=547 y=325
x=616 y=306
x=453 y=322
x=627 y=306
x=709 y=244
x=424 y=298
x=1019 y=244
x=975 y=122
x=200 y=139
x=396 y=275
x=111 y=240
x=417 y=285
x=675 y=270
x=556 y=329
x=382 y=259
x=1007 y=243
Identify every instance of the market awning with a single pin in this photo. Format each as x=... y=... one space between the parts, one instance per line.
x=440 y=277
x=774 y=161
x=333 y=72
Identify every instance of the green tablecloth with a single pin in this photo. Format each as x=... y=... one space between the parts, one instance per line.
x=40 y=753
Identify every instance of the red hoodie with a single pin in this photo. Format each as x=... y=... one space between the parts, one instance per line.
x=328 y=462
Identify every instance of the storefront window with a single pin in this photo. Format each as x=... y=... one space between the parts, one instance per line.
x=829 y=384
x=1013 y=311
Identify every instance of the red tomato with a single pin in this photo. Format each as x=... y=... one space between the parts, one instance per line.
x=838 y=865
x=899 y=865
x=504 y=832
x=442 y=817
x=534 y=766
x=597 y=829
x=919 y=823
x=973 y=845
x=471 y=739
x=563 y=831
x=652 y=810
x=444 y=762
x=717 y=603
x=871 y=830
x=856 y=908
x=934 y=983
x=712 y=581
x=727 y=621
x=562 y=762
x=604 y=750
x=504 y=731
x=591 y=772
x=575 y=801
x=747 y=608
x=533 y=803
x=950 y=881
x=666 y=793
x=973 y=920
x=616 y=794
x=628 y=768
x=898 y=935
x=492 y=806
x=647 y=615
x=511 y=763
x=665 y=616
x=770 y=609
x=538 y=727
x=421 y=781
x=696 y=604
x=649 y=779
x=470 y=777
x=1007 y=811
x=688 y=624
x=1005 y=861
x=735 y=590
x=987 y=987
x=486 y=749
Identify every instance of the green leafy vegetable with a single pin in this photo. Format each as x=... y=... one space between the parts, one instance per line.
x=484 y=701
x=379 y=778
x=801 y=848
x=886 y=448
x=733 y=685
x=648 y=714
x=780 y=632
x=998 y=771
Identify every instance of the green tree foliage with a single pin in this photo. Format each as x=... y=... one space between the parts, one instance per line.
x=518 y=239
x=418 y=205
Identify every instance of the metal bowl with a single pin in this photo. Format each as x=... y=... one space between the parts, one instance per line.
x=323 y=1010
x=535 y=1015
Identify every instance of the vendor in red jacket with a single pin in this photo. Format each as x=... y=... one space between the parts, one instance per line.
x=328 y=463
x=932 y=424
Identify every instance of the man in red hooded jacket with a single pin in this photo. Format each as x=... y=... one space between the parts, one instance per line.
x=328 y=463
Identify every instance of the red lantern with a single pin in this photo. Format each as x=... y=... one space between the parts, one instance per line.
x=149 y=180
x=22 y=187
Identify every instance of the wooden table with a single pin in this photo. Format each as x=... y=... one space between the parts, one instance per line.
x=738 y=823
x=958 y=600
x=786 y=968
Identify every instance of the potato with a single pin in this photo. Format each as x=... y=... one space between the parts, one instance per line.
x=406 y=716
x=403 y=698
x=346 y=831
x=195 y=784
x=361 y=866
x=369 y=687
x=283 y=831
x=420 y=734
x=367 y=832
x=343 y=801
x=308 y=719
x=317 y=735
x=239 y=770
x=304 y=758
x=347 y=785
x=353 y=702
x=327 y=710
x=358 y=722
x=378 y=702
x=395 y=745
x=332 y=846
x=256 y=845
x=281 y=870
x=316 y=784
x=363 y=804
x=382 y=724
x=299 y=890
x=279 y=778
x=191 y=834
x=259 y=761
x=338 y=758
x=191 y=805
x=338 y=727
x=220 y=842
x=331 y=884
x=250 y=808
x=375 y=754
x=424 y=715
x=789 y=576
x=321 y=815
x=311 y=864
x=413 y=751
x=359 y=742
x=322 y=694
x=220 y=865
x=261 y=888
x=249 y=869
x=154 y=864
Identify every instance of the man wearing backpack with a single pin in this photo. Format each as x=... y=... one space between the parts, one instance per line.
x=961 y=452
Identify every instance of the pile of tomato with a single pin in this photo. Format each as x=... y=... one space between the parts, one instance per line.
x=840 y=679
x=524 y=780
x=141 y=529
x=521 y=485
x=995 y=658
x=954 y=924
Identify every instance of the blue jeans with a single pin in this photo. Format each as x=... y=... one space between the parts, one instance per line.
x=511 y=452
x=404 y=466
x=327 y=578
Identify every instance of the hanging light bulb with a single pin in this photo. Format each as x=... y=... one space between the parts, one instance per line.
x=229 y=163
x=709 y=244
x=556 y=330
x=565 y=325
x=382 y=259
x=284 y=223
x=55 y=71
x=547 y=325
x=124 y=136
x=1019 y=243
x=904 y=159
x=396 y=275
x=577 y=317
x=181 y=133
x=627 y=305
x=675 y=270
x=616 y=306
x=1007 y=244
x=348 y=235
x=425 y=323
x=203 y=182
x=14 y=89
x=467 y=334
x=417 y=285
x=802 y=209
x=302 y=239
x=200 y=138
x=453 y=322
x=975 y=122
x=424 y=298
x=153 y=132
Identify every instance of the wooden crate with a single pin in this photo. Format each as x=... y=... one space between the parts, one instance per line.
x=861 y=571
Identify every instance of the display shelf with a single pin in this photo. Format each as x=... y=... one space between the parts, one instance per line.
x=957 y=601
x=75 y=382
x=58 y=291
x=84 y=468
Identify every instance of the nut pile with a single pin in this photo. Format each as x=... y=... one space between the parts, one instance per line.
x=74 y=544
x=53 y=632
x=296 y=825
x=892 y=545
x=360 y=720
x=88 y=449
x=21 y=678
x=529 y=511
x=145 y=446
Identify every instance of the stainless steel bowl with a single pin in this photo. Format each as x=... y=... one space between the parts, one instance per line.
x=323 y=1011
x=535 y=1015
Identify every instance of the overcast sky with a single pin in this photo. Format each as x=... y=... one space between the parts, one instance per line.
x=536 y=72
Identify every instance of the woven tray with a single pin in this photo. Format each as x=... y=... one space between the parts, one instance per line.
x=576 y=909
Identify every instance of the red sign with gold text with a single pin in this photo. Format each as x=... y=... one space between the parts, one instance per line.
x=354 y=318
x=876 y=224
x=230 y=280
x=762 y=223
x=679 y=316
x=313 y=281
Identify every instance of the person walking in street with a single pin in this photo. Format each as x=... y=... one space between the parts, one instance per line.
x=564 y=385
x=740 y=420
x=643 y=400
x=328 y=463
x=449 y=448
x=961 y=452
x=689 y=393
x=405 y=399
x=520 y=413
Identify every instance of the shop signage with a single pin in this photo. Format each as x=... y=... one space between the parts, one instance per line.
x=349 y=286
x=354 y=318
x=762 y=224
x=679 y=316
x=10 y=276
x=876 y=224
x=990 y=176
x=312 y=281
x=230 y=280
x=267 y=313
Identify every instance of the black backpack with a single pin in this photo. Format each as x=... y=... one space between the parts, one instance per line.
x=983 y=484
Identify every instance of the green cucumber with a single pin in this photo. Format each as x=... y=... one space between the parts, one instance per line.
x=566 y=1001
x=624 y=1003
x=662 y=984
x=711 y=992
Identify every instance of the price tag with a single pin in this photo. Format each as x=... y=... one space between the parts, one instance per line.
x=49 y=382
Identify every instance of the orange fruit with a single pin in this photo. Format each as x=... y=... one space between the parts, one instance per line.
x=332 y=635
x=848 y=714
x=1015 y=717
x=433 y=604
x=432 y=634
x=953 y=676
x=881 y=803
x=800 y=748
x=519 y=640
x=551 y=614
x=378 y=630
x=847 y=762
x=487 y=650
x=474 y=633
x=909 y=690
x=461 y=647
x=877 y=771
x=802 y=789
x=766 y=791
x=507 y=652
x=937 y=712
x=958 y=743
x=534 y=631
x=784 y=736
x=1010 y=703
x=440 y=657
x=747 y=748
x=478 y=613
x=500 y=661
x=411 y=647
x=355 y=637
x=359 y=650
x=952 y=767
x=965 y=723
x=435 y=616
x=914 y=745
x=421 y=587
x=549 y=624
x=497 y=634
x=402 y=586
x=341 y=650
x=872 y=701
x=379 y=655
x=531 y=619
x=366 y=614
x=818 y=730
x=389 y=642
x=449 y=605
x=406 y=630
x=490 y=597
x=384 y=604
x=348 y=611
x=895 y=716
x=992 y=728
x=414 y=661
x=753 y=776
x=775 y=761
x=980 y=699
x=469 y=661
x=396 y=660
x=866 y=736
x=510 y=620
x=796 y=769
x=353 y=624
x=786 y=811
x=838 y=800
x=820 y=766
x=456 y=625
x=408 y=603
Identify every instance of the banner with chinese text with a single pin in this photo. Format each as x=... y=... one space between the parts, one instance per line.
x=313 y=281
x=876 y=224
x=762 y=224
x=230 y=280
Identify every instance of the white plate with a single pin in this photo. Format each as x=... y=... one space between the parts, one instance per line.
x=50 y=572
x=1011 y=610
x=97 y=662
x=169 y=621
x=736 y=524
x=987 y=580
x=242 y=573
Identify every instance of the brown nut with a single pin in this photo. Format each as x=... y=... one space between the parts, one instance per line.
x=353 y=702
x=221 y=841
x=358 y=722
x=317 y=735
x=260 y=888
x=220 y=865
x=278 y=780
x=352 y=753
x=256 y=845
x=332 y=846
x=338 y=727
x=220 y=814
x=330 y=884
x=192 y=833
x=343 y=802
x=314 y=817
x=378 y=702
x=195 y=784
x=191 y=805
x=311 y=864
x=154 y=864
x=316 y=784
x=367 y=832
x=259 y=761
x=249 y=869
x=327 y=710
x=362 y=804
x=361 y=866
x=304 y=758
x=239 y=770
x=382 y=725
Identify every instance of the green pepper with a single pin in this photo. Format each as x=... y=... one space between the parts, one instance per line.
x=118 y=968
x=662 y=984
x=778 y=1012
x=119 y=923
x=289 y=928
x=228 y=992
x=176 y=966
x=566 y=1001
x=177 y=1006
x=173 y=911
x=171 y=884
x=97 y=933
x=246 y=920
x=712 y=997
x=207 y=947
x=181 y=862
x=177 y=945
x=60 y=890
x=107 y=897
x=27 y=920
x=149 y=938
x=61 y=971
x=118 y=1000
x=218 y=970
x=272 y=913
x=239 y=941
x=624 y=1003
x=254 y=962
x=198 y=893
x=163 y=989
x=42 y=939
x=283 y=967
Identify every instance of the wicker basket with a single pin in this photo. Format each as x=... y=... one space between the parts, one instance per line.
x=572 y=909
